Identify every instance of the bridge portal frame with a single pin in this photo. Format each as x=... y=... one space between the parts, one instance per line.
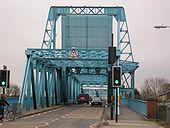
x=44 y=85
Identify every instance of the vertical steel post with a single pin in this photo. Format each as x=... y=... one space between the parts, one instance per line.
x=49 y=86
x=59 y=86
x=55 y=87
x=52 y=88
x=132 y=84
x=46 y=88
x=63 y=87
x=37 y=82
x=43 y=86
x=54 y=34
x=33 y=87
x=75 y=90
x=68 y=87
x=29 y=91
x=72 y=88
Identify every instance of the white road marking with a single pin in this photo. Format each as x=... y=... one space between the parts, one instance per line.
x=31 y=116
x=41 y=125
x=27 y=117
x=46 y=123
x=67 y=114
x=63 y=117
x=60 y=108
x=92 y=126
x=55 y=119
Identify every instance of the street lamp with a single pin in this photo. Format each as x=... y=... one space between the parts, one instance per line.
x=161 y=26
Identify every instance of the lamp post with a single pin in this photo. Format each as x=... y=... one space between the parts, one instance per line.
x=161 y=26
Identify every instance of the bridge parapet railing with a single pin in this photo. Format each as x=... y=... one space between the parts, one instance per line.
x=138 y=106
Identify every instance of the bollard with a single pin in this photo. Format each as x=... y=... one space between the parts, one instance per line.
x=105 y=115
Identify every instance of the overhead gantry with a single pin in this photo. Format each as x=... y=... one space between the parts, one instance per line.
x=53 y=76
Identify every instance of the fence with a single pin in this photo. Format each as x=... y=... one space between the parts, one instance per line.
x=164 y=112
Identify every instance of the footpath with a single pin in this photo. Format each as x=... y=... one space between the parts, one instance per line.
x=130 y=119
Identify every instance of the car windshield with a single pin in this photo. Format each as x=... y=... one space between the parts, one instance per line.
x=96 y=99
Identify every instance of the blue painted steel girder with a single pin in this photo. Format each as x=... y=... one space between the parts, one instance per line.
x=86 y=58
x=95 y=79
x=55 y=11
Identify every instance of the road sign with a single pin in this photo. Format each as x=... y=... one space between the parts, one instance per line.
x=73 y=54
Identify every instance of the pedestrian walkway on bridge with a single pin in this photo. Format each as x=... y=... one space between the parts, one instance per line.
x=130 y=119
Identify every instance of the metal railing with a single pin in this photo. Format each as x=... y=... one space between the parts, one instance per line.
x=138 y=106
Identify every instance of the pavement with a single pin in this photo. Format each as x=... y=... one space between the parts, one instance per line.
x=130 y=119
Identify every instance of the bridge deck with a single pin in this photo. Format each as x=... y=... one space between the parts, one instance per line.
x=130 y=119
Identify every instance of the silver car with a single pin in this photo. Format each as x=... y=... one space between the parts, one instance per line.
x=96 y=101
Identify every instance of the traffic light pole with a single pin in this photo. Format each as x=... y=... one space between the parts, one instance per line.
x=116 y=98
x=111 y=61
x=111 y=94
x=3 y=92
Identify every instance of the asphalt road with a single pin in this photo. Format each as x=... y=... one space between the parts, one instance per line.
x=77 y=116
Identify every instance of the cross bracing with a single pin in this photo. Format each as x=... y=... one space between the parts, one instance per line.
x=52 y=76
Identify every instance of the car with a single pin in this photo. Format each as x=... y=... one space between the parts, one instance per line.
x=83 y=98
x=96 y=101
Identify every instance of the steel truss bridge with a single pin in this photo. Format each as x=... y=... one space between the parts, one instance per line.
x=52 y=76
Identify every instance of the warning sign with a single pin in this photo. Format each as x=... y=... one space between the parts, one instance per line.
x=73 y=54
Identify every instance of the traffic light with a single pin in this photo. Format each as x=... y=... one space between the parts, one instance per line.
x=4 y=78
x=116 y=75
x=112 y=55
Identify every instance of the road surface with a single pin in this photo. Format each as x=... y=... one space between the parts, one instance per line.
x=77 y=116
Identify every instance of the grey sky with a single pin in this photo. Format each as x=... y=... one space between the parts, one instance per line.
x=22 y=24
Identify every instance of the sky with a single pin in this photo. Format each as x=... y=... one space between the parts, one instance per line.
x=22 y=25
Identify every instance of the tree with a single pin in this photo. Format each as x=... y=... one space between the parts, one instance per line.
x=137 y=94
x=153 y=87
x=13 y=91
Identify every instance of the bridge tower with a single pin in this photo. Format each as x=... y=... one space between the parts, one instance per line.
x=53 y=76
